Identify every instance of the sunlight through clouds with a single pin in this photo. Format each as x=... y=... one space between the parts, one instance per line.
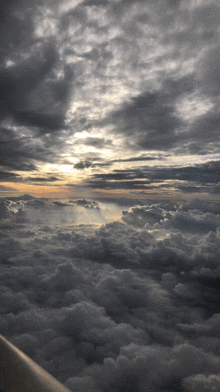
x=109 y=191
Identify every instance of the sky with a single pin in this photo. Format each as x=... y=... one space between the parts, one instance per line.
x=110 y=99
x=109 y=192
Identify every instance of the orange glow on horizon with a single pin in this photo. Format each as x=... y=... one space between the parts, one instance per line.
x=37 y=190
x=63 y=192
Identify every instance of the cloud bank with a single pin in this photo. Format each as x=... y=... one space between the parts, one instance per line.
x=129 y=304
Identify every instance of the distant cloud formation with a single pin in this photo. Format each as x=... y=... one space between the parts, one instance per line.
x=200 y=178
x=131 y=304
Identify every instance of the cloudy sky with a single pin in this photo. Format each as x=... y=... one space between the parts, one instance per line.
x=109 y=192
x=110 y=98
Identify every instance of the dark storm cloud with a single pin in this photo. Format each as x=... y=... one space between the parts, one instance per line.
x=31 y=93
x=21 y=152
x=149 y=120
x=200 y=178
x=7 y=176
x=16 y=152
x=23 y=80
x=35 y=87
x=204 y=133
x=42 y=179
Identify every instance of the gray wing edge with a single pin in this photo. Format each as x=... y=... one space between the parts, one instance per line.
x=19 y=373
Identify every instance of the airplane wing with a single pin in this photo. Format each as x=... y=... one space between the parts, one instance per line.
x=18 y=373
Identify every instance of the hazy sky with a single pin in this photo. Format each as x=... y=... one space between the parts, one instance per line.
x=110 y=98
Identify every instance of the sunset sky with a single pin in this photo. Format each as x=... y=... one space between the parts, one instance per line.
x=110 y=98
x=109 y=191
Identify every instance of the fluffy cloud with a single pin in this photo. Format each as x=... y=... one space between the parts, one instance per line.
x=195 y=383
x=147 y=368
x=128 y=304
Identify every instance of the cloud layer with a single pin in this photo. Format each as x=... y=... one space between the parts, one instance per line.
x=132 y=304
x=94 y=87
